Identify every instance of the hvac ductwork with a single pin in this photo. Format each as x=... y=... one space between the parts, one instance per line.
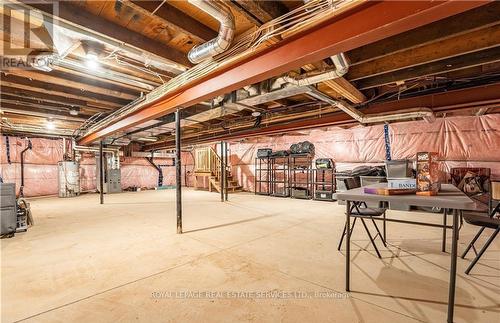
x=223 y=40
x=425 y=113
x=340 y=69
x=95 y=150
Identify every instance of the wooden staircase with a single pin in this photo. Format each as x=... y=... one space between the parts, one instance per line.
x=207 y=165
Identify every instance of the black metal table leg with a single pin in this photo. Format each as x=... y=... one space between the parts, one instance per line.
x=348 y=247
x=453 y=267
x=443 y=247
x=384 y=229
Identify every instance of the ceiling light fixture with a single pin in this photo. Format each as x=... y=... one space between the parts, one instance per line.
x=50 y=125
x=256 y=114
x=92 y=61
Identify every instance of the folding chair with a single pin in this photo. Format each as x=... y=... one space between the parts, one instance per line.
x=361 y=211
x=484 y=220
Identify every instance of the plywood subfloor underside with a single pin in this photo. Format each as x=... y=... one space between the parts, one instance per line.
x=123 y=262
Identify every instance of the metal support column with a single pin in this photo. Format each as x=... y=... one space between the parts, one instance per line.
x=453 y=267
x=101 y=172
x=225 y=173
x=178 y=178
x=222 y=172
x=348 y=247
x=443 y=244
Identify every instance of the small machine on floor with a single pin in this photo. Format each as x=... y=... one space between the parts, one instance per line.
x=15 y=214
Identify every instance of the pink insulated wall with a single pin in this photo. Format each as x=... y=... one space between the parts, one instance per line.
x=460 y=142
x=41 y=172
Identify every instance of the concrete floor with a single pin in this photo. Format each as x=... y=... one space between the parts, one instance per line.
x=122 y=261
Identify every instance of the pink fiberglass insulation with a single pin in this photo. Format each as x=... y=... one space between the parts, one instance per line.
x=460 y=141
x=41 y=170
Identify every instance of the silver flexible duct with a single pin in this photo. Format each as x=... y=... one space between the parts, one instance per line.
x=425 y=113
x=341 y=68
x=226 y=31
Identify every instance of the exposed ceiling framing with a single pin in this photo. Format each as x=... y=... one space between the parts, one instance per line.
x=374 y=22
x=401 y=54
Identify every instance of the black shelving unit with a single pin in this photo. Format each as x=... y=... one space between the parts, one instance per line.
x=262 y=181
x=301 y=176
x=279 y=176
x=324 y=184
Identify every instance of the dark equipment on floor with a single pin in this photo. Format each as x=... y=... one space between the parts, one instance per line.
x=24 y=216
x=15 y=215
x=8 y=208
x=300 y=193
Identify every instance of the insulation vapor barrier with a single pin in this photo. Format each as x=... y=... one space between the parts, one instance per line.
x=460 y=142
x=41 y=170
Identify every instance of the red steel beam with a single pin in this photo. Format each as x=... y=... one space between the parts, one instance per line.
x=438 y=102
x=363 y=25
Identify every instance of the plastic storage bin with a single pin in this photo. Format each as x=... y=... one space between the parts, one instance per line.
x=398 y=168
x=369 y=180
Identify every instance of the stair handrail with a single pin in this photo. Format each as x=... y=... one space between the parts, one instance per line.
x=207 y=160
x=215 y=163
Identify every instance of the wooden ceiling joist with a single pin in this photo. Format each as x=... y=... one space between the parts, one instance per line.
x=263 y=11
x=456 y=63
x=84 y=85
x=375 y=21
x=52 y=98
x=36 y=92
x=61 y=90
x=175 y=18
x=38 y=112
x=48 y=104
x=93 y=23
x=478 y=18
x=457 y=45
x=109 y=77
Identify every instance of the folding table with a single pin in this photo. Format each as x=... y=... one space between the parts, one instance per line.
x=449 y=197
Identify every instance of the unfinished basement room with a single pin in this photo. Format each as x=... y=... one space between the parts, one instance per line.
x=250 y=161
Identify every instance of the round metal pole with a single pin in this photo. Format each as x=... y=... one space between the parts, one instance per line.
x=101 y=172
x=225 y=173
x=222 y=172
x=178 y=179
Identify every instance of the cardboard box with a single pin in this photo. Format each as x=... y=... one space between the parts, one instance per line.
x=427 y=173
x=404 y=182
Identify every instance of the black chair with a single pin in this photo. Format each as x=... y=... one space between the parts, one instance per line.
x=485 y=220
x=360 y=210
